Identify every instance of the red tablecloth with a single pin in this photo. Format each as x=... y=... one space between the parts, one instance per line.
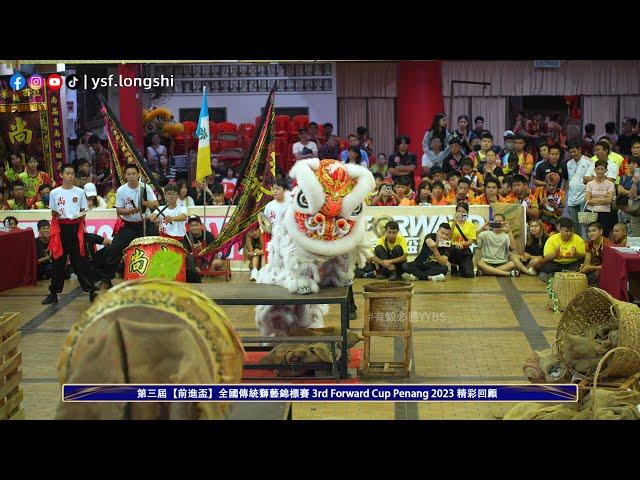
x=615 y=269
x=18 y=259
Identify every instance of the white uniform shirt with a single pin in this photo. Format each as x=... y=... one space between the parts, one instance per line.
x=274 y=210
x=68 y=202
x=612 y=170
x=127 y=197
x=576 y=171
x=174 y=229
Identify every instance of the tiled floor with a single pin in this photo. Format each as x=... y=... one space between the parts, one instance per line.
x=465 y=331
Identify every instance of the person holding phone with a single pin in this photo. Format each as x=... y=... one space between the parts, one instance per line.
x=431 y=262
x=497 y=246
x=463 y=236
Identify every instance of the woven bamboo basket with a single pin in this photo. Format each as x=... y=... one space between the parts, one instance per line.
x=593 y=307
x=566 y=285
x=585 y=217
x=389 y=313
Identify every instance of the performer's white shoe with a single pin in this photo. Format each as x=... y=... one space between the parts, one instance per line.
x=254 y=275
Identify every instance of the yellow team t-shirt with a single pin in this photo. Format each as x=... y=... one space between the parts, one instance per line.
x=400 y=240
x=565 y=257
x=468 y=228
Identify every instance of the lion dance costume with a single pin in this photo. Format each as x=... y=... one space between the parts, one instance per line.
x=319 y=242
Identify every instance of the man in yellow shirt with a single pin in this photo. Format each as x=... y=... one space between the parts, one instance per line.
x=603 y=151
x=390 y=252
x=562 y=251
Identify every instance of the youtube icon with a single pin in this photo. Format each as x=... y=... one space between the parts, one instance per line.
x=54 y=81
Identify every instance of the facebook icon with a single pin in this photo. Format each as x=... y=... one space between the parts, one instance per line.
x=17 y=81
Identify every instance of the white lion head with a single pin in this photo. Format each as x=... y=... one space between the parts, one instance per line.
x=326 y=217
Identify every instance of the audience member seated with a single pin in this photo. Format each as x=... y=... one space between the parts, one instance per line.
x=496 y=247
x=19 y=201
x=462 y=193
x=562 y=251
x=451 y=185
x=525 y=159
x=599 y=197
x=84 y=175
x=373 y=193
x=619 y=235
x=402 y=163
x=154 y=151
x=217 y=195
x=493 y=167
x=354 y=156
x=476 y=180
x=478 y=128
x=479 y=156
x=543 y=157
x=435 y=175
x=304 y=148
x=10 y=223
x=551 y=202
x=513 y=166
x=353 y=143
x=424 y=194
x=462 y=237
x=183 y=195
x=431 y=262
x=330 y=149
x=364 y=141
x=385 y=197
x=462 y=135
x=381 y=166
x=434 y=155
x=403 y=192
x=312 y=128
x=15 y=168
x=41 y=201
x=593 y=253
x=452 y=162
x=253 y=252
x=519 y=193
x=43 y=254
x=491 y=195
x=229 y=183
x=390 y=253
x=438 y=130
x=626 y=180
x=533 y=255
x=199 y=193
x=32 y=178
x=438 y=196
x=93 y=199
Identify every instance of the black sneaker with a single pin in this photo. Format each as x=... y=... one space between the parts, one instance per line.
x=51 y=298
x=454 y=271
x=92 y=296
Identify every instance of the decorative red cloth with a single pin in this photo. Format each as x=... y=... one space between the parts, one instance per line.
x=19 y=262
x=55 y=243
x=118 y=225
x=266 y=238
x=615 y=269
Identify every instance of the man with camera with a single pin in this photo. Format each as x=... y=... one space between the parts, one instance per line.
x=431 y=262
x=497 y=246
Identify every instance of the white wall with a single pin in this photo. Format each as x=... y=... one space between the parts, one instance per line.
x=323 y=107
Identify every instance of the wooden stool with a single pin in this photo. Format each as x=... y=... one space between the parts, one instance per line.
x=10 y=360
x=387 y=314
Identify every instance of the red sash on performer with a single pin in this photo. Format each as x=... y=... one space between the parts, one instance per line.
x=118 y=225
x=55 y=243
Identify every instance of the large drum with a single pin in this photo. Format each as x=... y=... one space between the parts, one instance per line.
x=155 y=257
x=150 y=332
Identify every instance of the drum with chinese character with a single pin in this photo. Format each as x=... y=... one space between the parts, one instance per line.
x=151 y=332
x=155 y=257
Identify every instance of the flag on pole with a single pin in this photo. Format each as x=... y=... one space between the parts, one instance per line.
x=203 y=165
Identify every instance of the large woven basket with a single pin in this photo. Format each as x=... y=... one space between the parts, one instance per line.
x=389 y=313
x=586 y=217
x=593 y=307
x=565 y=286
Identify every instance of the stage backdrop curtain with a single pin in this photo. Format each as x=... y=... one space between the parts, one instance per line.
x=366 y=79
x=580 y=77
x=494 y=111
x=352 y=113
x=460 y=107
x=381 y=124
x=629 y=107
x=599 y=110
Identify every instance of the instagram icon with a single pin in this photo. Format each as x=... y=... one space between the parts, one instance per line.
x=36 y=82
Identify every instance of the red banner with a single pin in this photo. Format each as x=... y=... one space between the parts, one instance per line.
x=31 y=123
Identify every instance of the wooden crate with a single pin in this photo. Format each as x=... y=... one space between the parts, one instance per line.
x=398 y=325
x=10 y=360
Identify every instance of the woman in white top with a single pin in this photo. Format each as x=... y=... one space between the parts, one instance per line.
x=183 y=195
x=154 y=151
x=599 y=196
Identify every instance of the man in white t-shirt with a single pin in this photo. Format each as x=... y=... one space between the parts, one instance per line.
x=172 y=217
x=129 y=203
x=274 y=210
x=68 y=204
x=577 y=168
x=304 y=148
